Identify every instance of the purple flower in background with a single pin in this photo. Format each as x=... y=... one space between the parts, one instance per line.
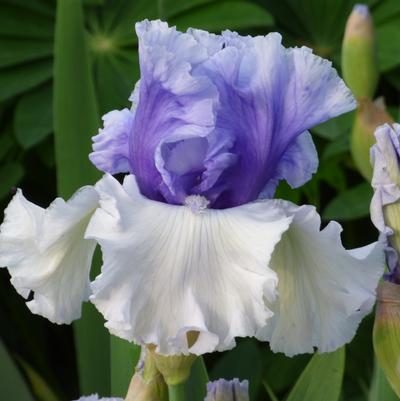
x=95 y=397
x=192 y=242
x=227 y=390
x=385 y=209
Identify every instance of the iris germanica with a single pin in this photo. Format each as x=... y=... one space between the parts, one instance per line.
x=195 y=250
x=385 y=209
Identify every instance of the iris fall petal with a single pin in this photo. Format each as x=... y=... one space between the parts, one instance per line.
x=45 y=252
x=324 y=290
x=169 y=270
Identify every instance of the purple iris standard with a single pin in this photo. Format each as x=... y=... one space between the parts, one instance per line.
x=225 y=117
x=195 y=251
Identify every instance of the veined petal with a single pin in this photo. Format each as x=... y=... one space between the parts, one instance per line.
x=169 y=270
x=296 y=166
x=111 y=145
x=171 y=99
x=268 y=96
x=45 y=252
x=324 y=289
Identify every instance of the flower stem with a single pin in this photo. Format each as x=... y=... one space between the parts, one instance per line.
x=176 y=392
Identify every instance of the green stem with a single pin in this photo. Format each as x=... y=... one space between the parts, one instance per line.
x=176 y=392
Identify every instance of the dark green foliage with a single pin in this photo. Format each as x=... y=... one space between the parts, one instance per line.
x=107 y=59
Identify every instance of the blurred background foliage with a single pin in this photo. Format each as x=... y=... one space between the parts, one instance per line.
x=38 y=358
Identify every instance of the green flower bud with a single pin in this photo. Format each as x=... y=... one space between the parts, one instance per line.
x=387 y=332
x=147 y=383
x=174 y=368
x=369 y=116
x=359 y=61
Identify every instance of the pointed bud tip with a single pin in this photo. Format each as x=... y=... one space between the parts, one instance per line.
x=362 y=10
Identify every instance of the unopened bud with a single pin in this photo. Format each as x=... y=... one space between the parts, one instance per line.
x=147 y=383
x=368 y=117
x=387 y=333
x=224 y=390
x=359 y=60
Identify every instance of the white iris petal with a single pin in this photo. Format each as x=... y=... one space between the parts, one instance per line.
x=324 y=289
x=168 y=271
x=45 y=252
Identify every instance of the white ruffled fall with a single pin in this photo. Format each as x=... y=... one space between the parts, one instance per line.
x=264 y=269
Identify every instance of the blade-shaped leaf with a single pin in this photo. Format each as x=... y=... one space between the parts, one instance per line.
x=15 y=80
x=15 y=51
x=124 y=358
x=34 y=116
x=196 y=386
x=75 y=121
x=322 y=379
x=12 y=384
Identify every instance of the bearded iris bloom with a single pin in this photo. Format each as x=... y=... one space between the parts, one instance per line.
x=385 y=210
x=195 y=249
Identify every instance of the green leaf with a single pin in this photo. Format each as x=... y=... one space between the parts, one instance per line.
x=339 y=146
x=75 y=121
x=336 y=127
x=350 y=205
x=124 y=358
x=270 y=392
x=39 y=387
x=380 y=388
x=12 y=384
x=173 y=7
x=15 y=80
x=282 y=371
x=23 y=21
x=6 y=144
x=34 y=116
x=322 y=378
x=386 y=10
x=388 y=38
x=196 y=386
x=221 y=15
x=15 y=51
x=10 y=175
x=246 y=361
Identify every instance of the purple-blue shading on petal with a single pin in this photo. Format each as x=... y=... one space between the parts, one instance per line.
x=385 y=159
x=111 y=146
x=225 y=116
x=227 y=390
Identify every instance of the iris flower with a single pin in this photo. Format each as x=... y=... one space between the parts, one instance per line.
x=196 y=251
x=385 y=156
x=95 y=397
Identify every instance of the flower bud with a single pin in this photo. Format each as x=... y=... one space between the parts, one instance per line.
x=174 y=368
x=224 y=390
x=386 y=334
x=147 y=383
x=369 y=115
x=359 y=60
